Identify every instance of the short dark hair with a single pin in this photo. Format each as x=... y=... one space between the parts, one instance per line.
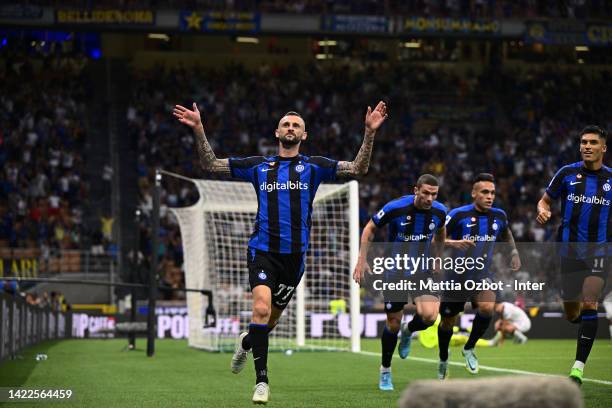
x=598 y=130
x=292 y=113
x=484 y=177
x=427 y=179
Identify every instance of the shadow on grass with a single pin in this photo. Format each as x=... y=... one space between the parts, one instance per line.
x=14 y=373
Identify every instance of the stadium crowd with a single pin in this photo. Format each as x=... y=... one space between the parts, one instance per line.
x=436 y=8
x=42 y=134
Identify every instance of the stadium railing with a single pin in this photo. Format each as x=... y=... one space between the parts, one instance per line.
x=23 y=325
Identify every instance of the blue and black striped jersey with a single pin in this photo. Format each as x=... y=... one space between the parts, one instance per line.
x=407 y=223
x=585 y=206
x=285 y=189
x=484 y=228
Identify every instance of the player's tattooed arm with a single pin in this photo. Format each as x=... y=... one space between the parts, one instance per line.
x=359 y=167
x=362 y=262
x=208 y=160
x=515 y=262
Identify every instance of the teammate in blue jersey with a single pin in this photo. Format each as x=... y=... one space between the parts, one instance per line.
x=472 y=231
x=585 y=232
x=285 y=185
x=411 y=219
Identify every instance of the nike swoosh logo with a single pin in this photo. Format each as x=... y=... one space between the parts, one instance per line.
x=264 y=170
x=573 y=183
x=256 y=358
x=406 y=223
x=470 y=225
x=588 y=338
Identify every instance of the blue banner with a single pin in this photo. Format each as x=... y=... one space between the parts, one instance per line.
x=568 y=32
x=220 y=22
x=355 y=24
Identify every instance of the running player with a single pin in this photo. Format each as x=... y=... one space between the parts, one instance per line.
x=285 y=185
x=411 y=218
x=585 y=192
x=472 y=231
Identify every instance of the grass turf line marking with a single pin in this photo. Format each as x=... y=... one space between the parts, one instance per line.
x=498 y=369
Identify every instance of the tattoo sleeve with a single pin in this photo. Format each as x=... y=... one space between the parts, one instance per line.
x=208 y=160
x=359 y=166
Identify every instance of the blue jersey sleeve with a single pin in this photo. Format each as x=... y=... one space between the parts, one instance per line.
x=383 y=216
x=452 y=224
x=325 y=169
x=245 y=168
x=557 y=186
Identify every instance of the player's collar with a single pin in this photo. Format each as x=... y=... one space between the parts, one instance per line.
x=292 y=158
x=589 y=171
x=477 y=211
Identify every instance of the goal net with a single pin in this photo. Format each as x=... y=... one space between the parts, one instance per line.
x=324 y=313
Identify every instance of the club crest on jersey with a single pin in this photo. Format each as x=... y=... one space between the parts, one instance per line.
x=432 y=226
x=262 y=275
x=606 y=187
x=271 y=164
x=578 y=176
x=495 y=227
x=473 y=219
x=388 y=305
x=299 y=168
x=408 y=218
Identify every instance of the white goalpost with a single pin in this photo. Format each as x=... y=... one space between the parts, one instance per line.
x=325 y=311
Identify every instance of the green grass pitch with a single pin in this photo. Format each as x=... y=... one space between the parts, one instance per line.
x=102 y=375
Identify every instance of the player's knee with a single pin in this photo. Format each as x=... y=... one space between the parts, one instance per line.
x=261 y=310
x=393 y=324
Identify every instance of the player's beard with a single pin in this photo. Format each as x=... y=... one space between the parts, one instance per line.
x=289 y=143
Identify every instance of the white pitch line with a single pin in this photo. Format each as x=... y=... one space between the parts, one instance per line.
x=498 y=369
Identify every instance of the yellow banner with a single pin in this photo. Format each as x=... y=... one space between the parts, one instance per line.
x=116 y=17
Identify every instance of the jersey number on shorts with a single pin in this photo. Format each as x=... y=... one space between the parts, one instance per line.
x=598 y=263
x=282 y=287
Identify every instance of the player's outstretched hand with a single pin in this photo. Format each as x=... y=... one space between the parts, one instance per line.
x=360 y=270
x=543 y=216
x=188 y=117
x=461 y=244
x=375 y=118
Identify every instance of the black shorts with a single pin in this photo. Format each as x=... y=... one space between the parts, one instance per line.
x=453 y=302
x=575 y=271
x=280 y=272
x=392 y=307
